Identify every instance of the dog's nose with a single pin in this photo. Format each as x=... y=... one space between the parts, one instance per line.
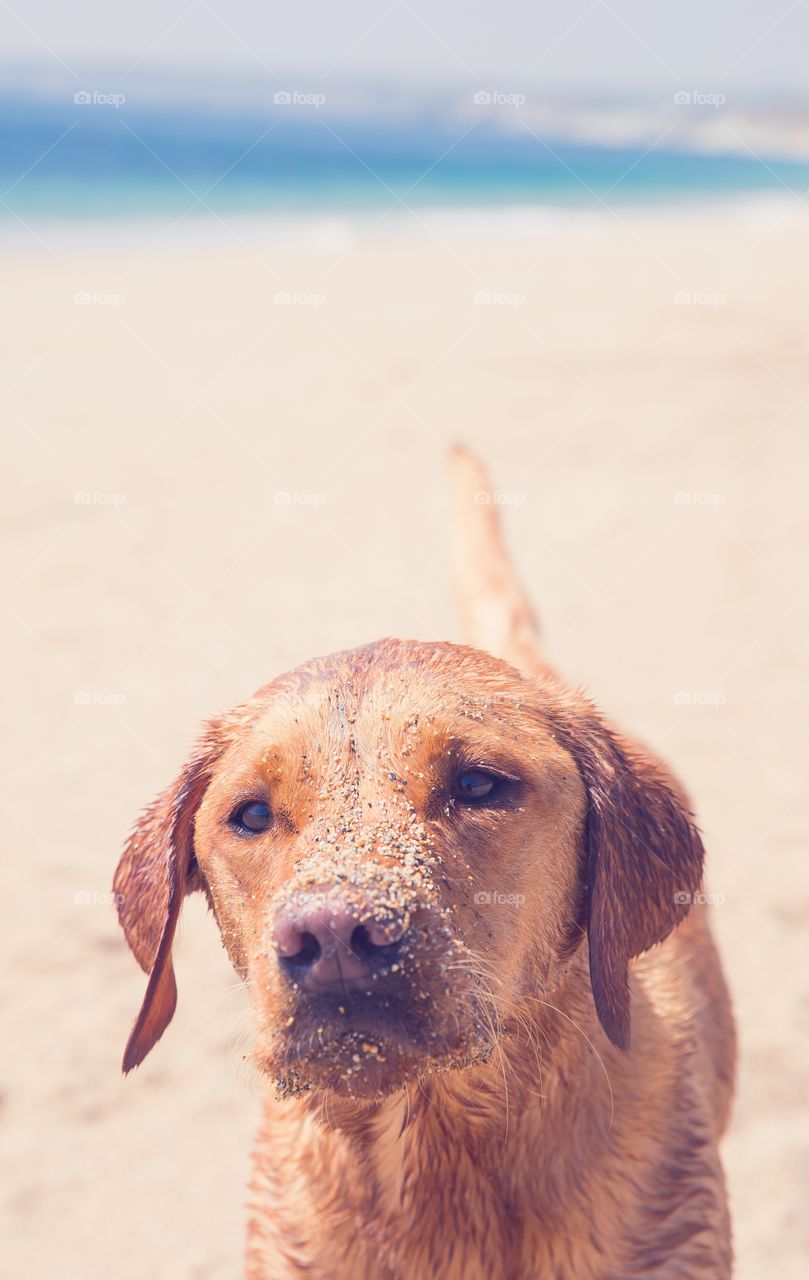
x=325 y=942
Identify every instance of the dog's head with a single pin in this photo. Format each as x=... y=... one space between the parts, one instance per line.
x=395 y=841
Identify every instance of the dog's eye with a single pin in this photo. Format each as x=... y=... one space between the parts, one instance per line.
x=476 y=784
x=251 y=818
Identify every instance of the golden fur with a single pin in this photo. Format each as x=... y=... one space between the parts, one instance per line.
x=537 y=1085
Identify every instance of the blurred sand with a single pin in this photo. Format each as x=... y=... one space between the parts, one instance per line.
x=198 y=398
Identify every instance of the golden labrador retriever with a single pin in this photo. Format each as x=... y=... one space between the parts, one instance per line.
x=495 y=1047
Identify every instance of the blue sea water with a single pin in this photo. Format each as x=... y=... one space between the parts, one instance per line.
x=64 y=160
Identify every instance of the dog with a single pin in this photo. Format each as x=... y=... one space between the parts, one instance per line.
x=497 y=1040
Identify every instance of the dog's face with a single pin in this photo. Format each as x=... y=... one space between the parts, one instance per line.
x=400 y=845
x=381 y=847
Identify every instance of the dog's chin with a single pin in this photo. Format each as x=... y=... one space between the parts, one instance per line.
x=366 y=1065
x=351 y=1067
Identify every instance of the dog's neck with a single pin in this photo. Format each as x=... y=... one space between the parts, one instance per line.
x=529 y=1105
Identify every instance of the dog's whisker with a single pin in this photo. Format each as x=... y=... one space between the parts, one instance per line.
x=585 y=1037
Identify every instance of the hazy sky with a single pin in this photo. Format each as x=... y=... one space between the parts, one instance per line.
x=622 y=45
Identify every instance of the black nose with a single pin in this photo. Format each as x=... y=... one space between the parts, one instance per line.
x=324 y=942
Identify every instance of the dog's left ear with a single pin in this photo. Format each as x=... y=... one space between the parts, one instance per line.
x=644 y=862
x=156 y=871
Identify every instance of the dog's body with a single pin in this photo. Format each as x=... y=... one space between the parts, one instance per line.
x=434 y=870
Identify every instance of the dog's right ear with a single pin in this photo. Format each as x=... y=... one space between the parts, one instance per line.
x=155 y=873
x=643 y=857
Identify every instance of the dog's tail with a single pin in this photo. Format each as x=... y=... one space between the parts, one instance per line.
x=497 y=615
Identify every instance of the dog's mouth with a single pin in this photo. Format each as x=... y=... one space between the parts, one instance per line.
x=378 y=1018
x=365 y=1047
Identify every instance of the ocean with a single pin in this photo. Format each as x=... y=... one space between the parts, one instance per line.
x=88 y=156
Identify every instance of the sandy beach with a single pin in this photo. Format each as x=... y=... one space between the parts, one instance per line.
x=228 y=454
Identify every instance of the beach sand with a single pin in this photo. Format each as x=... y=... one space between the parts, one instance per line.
x=639 y=384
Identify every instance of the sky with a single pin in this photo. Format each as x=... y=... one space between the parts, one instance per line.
x=621 y=47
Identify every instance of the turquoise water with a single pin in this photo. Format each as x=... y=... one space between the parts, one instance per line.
x=70 y=161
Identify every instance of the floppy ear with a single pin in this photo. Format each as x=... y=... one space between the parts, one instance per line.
x=156 y=871
x=644 y=863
